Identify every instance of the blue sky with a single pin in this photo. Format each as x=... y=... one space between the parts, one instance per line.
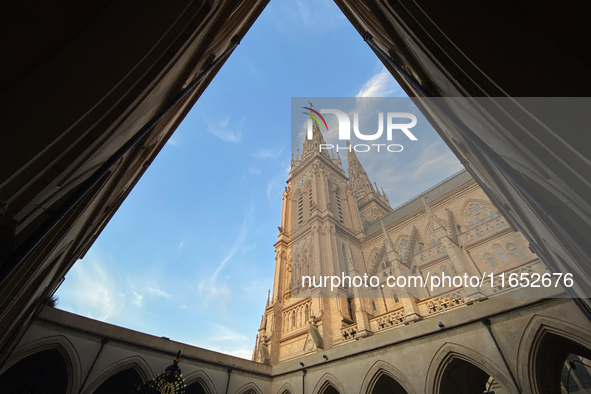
x=189 y=255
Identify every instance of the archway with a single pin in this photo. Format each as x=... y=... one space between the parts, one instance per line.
x=385 y=378
x=560 y=365
x=454 y=362
x=330 y=389
x=386 y=385
x=122 y=382
x=463 y=377
x=42 y=372
x=249 y=388
x=550 y=350
x=195 y=388
x=329 y=384
x=199 y=383
x=286 y=389
x=136 y=362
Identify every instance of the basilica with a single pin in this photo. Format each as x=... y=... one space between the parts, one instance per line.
x=334 y=225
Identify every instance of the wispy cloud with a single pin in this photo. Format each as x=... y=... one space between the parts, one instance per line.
x=180 y=246
x=307 y=15
x=209 y=288
x=319 y=14
x=221 y=339
x=93 y=290
x=237 y=245
x=267 y=153
x=157 y=292
x=254 y=170
x=274 y=188
x=276 y=184
x=138 y=299
x=230 y=342
x=225 y=334
x=380 y=85
x=437 y=158
x=407 y=179
x=226 y=131
x=174 y=142
x=248 y=248
x=317 y=17
x=270 y=187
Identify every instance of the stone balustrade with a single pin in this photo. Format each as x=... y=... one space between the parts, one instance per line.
x=350 y=332
x=444 y=303
x=432 y=253
x=387 y=321
x=483 y=231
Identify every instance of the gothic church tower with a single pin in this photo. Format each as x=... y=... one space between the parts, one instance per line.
x=322 y=222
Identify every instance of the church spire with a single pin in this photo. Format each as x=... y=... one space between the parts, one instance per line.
x=387 y=240
x=312 y=145
x=358 y=178
x=435 y=223
x=371 y=203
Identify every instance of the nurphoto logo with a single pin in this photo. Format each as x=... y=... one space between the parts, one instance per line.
x=345 y=129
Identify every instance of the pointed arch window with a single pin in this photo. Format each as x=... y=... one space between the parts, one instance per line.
x=446 y=273
x=501 y=254
x=478 y=214
x=395 y=296
x=373 y=304
x=307 y=313
x=434 y=239
x=310 y=200
x=293 y=319
x=453 y=269
x=300 y=210
x=514 y=251
x=340 y=209
x=491 y=260
x=403 y=249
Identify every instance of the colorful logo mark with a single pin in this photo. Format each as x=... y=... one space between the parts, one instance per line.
x=315 y=118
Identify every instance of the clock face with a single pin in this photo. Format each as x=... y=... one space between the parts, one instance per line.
x=302 y=180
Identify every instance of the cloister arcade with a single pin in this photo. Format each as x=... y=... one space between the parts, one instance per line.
x=540 y=353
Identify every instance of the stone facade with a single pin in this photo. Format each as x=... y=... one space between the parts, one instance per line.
x=334 y=225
